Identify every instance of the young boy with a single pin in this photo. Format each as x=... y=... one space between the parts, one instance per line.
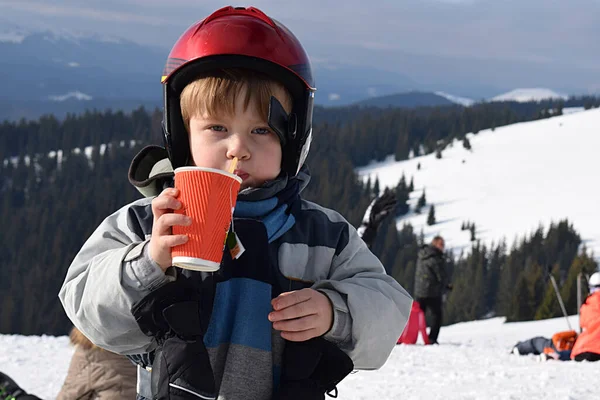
x=304 y=304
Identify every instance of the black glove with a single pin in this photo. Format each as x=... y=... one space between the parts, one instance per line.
x=376 y=212
x=381 y=207
x=172 y=315
x=311 y=369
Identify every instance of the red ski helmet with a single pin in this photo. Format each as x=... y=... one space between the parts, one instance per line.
x=238 y=37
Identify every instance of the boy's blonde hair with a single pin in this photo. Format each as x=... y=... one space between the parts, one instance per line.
x=215 y=94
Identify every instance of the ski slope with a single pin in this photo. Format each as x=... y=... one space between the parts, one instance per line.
x=471 y=362
x=512 y=180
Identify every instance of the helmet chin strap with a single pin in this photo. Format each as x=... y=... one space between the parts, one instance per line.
x=285 y=125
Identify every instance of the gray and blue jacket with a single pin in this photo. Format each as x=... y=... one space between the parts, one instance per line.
x=306 y=246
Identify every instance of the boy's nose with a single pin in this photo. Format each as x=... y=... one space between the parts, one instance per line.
x=238 y=148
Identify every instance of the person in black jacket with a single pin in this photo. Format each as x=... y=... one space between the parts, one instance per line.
x=431 y=282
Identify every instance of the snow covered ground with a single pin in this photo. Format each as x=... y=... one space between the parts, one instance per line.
x=472 y=362
x=513 y=179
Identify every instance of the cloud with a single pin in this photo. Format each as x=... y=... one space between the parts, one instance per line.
x=82 y=12
x=509 y=29
x=455 y=2
x=487 y=40
x=334 y=97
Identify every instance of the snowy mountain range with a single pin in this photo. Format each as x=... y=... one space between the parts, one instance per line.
x=407 y=100
x=532 y=94
x=439 y=98
x=39 y=65
x=514 y=179
x=471 y=362
x=43 y=67
x=456 y=99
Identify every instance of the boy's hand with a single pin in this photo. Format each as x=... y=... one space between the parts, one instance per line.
x=301 y=315
x=164 y=219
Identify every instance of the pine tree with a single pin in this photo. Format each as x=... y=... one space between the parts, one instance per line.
x=466 y=143
x=479 y=282
x=402 y=182
x=549 y=307
x=472 y=229
x=422 y=200
x=438 y=153
x=431 y=216
x=497 y=259
x=521 y=305
x=559 y=108
x=584 y=264
x=534 y=274
x=421 y=203
x=411 y=187
x=419 y=166
x=37 y=243
x=402 y=197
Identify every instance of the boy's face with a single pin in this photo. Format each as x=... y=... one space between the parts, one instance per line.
x=215 y=140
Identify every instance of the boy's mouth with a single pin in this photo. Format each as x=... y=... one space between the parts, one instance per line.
x=242 y=174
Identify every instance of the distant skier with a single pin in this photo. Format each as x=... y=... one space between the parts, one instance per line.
x=569 y=345
x=431 y=283
x=558 y=347
x=587 y=345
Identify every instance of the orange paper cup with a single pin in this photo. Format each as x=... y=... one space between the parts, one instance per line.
x=208 y=197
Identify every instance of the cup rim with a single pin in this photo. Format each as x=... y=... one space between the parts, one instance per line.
x=196 y=264
x=215 y=170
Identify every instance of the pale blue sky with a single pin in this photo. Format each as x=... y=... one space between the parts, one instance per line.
x=521 y=34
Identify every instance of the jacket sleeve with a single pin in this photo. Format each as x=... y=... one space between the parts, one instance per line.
x=109 y=274
x=370 y=307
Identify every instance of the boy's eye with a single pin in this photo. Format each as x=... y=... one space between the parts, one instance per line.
x=217 y=128
x=261 y=131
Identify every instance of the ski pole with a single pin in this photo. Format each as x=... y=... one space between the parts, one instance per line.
x=560 y=301
x=579 y=276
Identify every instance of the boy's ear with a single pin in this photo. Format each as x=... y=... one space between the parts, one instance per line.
x=284 y=125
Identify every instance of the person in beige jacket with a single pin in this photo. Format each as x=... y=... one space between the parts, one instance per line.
x=95 y=373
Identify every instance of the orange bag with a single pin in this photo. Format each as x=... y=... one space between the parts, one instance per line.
x=564 y=340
